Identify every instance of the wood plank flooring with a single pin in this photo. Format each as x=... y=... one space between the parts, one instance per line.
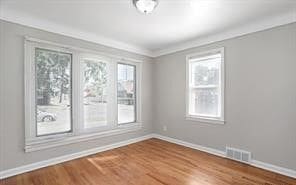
x=154 y=162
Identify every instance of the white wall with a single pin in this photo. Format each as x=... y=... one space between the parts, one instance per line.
x=12 y=97
x=260 y=97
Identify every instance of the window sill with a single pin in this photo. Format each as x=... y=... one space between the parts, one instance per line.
x=54 y=142
x=205 y=120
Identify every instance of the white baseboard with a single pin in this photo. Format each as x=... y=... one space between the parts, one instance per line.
x=49 y=162
x=191 y=145
x=258 y=164
x=53 y=161
x=274 y=168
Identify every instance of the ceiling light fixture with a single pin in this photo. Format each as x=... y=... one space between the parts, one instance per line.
x=145 y=6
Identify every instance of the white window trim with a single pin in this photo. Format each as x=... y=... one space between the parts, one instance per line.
x=112 y=123
x=204 y=119
x=65 y=140
x=33 y=143
x=138 y=89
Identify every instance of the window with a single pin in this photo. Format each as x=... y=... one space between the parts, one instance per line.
x=74 y=95
x=126 y=93
x=95 y=93
x=53 y=91
x=205 y=86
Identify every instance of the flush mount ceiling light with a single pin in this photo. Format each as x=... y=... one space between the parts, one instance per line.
x=145 y=6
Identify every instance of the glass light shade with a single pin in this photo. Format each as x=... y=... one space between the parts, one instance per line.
x=145 y=6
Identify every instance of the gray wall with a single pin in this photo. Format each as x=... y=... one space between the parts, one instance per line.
x=260 y=97
x=260 y=100
x=12 y=97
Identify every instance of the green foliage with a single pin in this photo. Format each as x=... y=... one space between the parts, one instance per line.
x=95 y=77
x=53 y=74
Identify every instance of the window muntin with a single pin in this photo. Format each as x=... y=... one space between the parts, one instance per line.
x=126 y=93
x=205 y=85
x=95 y=93
x=53 y=91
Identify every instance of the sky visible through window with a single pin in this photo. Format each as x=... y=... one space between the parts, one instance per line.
x=125 y=72
x=126 y=93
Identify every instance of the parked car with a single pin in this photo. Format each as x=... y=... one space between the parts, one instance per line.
x=43 y=116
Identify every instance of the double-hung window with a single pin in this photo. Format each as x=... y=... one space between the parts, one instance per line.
x=73 y=94
x=205 y=86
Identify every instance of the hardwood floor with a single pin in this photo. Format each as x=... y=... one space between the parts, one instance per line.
x=154 y=162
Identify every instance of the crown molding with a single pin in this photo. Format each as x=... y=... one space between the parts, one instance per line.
x=26 y=20
x=268 y=23
x=253 y=27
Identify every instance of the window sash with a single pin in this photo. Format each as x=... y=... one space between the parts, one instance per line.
x=30 y=92
x=135 y=93
x=204 y=57
x=197 y=112
x=204 y=86
x=205 y=61
x=111 y=113
x=35 y=83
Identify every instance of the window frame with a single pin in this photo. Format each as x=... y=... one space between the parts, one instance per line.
x=136 y=92
x=52 y=49
x=111 y=123
x=30 y=93
x=77 y=134
x=203 y=118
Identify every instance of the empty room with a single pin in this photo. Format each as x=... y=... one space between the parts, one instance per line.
x=147 y=92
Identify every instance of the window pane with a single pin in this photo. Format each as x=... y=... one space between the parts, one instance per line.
x=126 y=94
x=205 y=102
x=95 y=93
x=206 y=72
x=53 y=91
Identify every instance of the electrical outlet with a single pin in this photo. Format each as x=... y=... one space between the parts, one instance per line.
x=164 y=128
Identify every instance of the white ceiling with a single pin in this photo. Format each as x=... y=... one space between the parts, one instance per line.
x=174 y=25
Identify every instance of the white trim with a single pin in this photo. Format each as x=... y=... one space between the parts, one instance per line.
x=29 y=99
x=253 y=162
x=26 y=20
x=253 y=27
x=111 y=107
x=53 y=161
x=89 y=52
x=191 y=145
x=203 y=118
x=274 y=168
x=59 y=141
x=138 y=89
x=34 y=22
x=34 y=143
